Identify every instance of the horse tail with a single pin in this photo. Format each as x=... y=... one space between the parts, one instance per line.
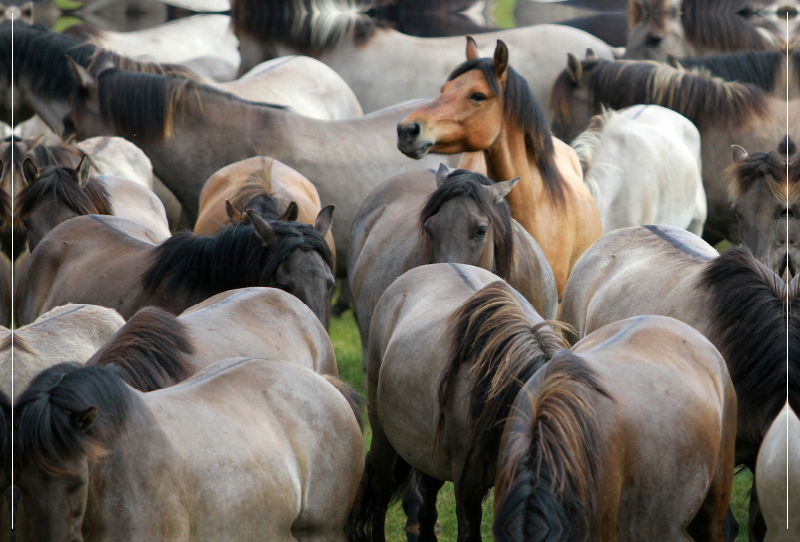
x=499 y=347
x=547 y=484
x=354 y=398
x=149 y=350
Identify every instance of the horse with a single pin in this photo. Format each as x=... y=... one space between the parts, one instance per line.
x=486 y=106
x=420 y=218
x=628 y=435
x=778 y=463
x=766 y=204
x=108 y=261
x=642 y=166
x=250 y=448
x=259 y=322
x=385 y=67
x=262 y=184
x=725 y=113
x=734 y=300
x=56 y=194
x=421 y=341
x=69 y=333
x=185 y=151
x=658 y=28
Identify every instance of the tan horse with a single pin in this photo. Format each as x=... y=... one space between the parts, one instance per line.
x=259 y=183
x=419 y=218
x=245 y=450
x=418 y=346
x=629 y=436
x=486 y=106
x=248 y=322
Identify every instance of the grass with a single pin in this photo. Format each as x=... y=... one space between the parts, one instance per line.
x=346 y=343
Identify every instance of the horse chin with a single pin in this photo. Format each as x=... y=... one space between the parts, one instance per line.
x=416 y=152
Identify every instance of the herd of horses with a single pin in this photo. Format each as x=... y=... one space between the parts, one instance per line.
x=541 y=306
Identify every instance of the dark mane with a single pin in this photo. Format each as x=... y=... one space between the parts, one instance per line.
x=705 y=100
x=256 y=194
x=759 y=68
x=769 y=167
x=39 y=54
x=234 y=257
x=749 y=308
x=724 y=26
x=59 y=184
x=548 y=482
x=793 y=295
x=144 y=107
x=521 y=107
x=463 y=183
x=149 y=350
x=494 y=340
x=46 y=414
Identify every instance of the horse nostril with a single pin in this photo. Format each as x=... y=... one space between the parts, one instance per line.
x=787 y=213
x=654 y=40
x=412 y=130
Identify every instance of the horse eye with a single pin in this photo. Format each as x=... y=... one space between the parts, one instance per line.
x=478 y=97
x=480 y=232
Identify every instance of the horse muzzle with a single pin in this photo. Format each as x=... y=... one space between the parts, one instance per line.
x=409 y=142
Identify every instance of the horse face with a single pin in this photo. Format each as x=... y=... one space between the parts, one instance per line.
x=763 y=221
x=53 y=505
x=655 y=32
x=466 y=117
x=305 y=275
x=574 y=116
x=461 y=233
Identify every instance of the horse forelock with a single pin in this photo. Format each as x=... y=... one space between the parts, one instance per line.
x=234 y=257
x=521 y=108
x=749 y=311
x=493 y=339
x=47 y=411
x=469 y=184
x=256 y=193
x=58 y=183
x=765 y=167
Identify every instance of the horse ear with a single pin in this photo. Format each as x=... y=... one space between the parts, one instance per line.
x=501 y=190
x=83 y=171
x=441 y=175
x=590 y=54
x=738 y=153
x=291 y=213
x=83 y=420
x=262 y=227
x=29 y=171
x=233 y=215
x=472 y=48
x=575 y=68
x=324 y=220
x=674 y=62
x=101 y=63
x=85 y=79
x=500 y=59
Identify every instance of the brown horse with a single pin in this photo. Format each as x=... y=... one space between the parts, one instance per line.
x=437 y=345
x=245 y=450
x=725 y=113
x=258 y=322
x=629 y=436
x=486 y=106
x=55 y=194
x=767 y=225
x=419 y=217
x=732 y=299
x=262 y=184
x=107 y=261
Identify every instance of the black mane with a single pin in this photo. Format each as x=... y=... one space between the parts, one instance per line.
x=521 y=107
x=759 y=68
x=234 y=257
x=58 y=183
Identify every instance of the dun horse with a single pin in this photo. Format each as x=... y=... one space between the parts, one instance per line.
x=629 y=436
x=251 y=450
x=108 y=261
x=419 y=218
x=486 y=106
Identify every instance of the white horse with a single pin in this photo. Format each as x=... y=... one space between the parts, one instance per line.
x=304 y=85
x=779 y=450
x=642 y=165
x=118 y=157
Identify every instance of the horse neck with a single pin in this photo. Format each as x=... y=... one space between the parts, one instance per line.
x=507 y=158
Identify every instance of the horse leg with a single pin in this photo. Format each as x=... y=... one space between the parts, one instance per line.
x=343 y=301
x=429 y=489
x=756 y=526
x=469 y=509
x=386 y=474
x=709 y=521
x=412 y=502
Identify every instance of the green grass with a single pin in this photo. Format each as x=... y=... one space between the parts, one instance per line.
x=504 y=13
x=346 y=343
